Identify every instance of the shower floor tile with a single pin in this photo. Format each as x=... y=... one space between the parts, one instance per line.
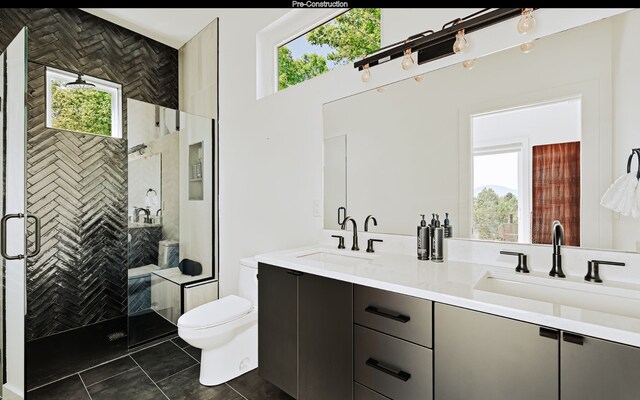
x=164 y=371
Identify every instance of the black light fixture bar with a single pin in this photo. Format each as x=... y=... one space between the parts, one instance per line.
x=439 y=44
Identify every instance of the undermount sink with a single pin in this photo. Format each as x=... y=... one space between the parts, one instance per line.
x=334 y=258
x=595 y=297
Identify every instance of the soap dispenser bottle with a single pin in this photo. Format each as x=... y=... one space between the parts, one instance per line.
x=424 y=240
x=448 y=229
x=437 y=242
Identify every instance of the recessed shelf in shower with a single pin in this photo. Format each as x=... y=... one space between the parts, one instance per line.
x=196 y=171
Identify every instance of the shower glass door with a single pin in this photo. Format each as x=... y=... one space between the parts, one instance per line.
x=13 y=118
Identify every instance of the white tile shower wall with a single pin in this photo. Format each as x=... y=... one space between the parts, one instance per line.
x=271 y=149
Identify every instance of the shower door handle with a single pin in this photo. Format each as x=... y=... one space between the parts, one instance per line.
x=38 y=231
x=3 y=240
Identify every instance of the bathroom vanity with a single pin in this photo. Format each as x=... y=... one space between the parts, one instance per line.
x=351 y=325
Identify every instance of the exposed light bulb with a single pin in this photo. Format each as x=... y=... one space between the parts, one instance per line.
x=527 y=47
x=418 y=78
x=469 y=64
x=527 y=22
x=461 y=42
x=407 y=61
x=366 y=74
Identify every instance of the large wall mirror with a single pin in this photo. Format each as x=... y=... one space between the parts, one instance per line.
x=504 y=148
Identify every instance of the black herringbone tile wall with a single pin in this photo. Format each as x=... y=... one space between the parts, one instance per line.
x=77 y=184
x=143 y=246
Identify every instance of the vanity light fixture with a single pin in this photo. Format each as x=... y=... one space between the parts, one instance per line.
x=469 y=64
x=461 y=43
x=407 y=61
x=526 y=47
x=527 y=22
x=79 y=83
x=430 y=45
x=366 y=74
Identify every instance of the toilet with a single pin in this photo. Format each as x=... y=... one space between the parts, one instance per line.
x=226 y=330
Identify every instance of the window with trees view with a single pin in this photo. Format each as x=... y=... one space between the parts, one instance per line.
x=94 y=110
x=345 y=38
x=495 y=200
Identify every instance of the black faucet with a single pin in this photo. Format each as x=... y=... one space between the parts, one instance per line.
x=593 y=269
x=557 y=239
x=366 y=222
x=522 y=260
x=355 y=232
x=147 y=212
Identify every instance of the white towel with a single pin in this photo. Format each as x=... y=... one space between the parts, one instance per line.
x=635 y=211
x=621 y=196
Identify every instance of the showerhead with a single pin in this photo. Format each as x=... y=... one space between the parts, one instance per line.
x=79 y=83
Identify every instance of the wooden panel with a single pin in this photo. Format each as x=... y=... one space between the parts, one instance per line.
x=165 y=298
x=556 y=191
x=200 y=293
x=198 y=71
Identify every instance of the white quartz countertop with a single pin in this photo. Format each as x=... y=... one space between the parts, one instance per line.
x=454 y=283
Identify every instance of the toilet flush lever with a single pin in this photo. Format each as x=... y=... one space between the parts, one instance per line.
x=522 y=260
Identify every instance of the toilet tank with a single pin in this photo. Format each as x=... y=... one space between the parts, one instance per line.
x=248 y=280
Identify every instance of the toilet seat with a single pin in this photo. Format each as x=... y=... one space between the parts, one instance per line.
x=215 y=313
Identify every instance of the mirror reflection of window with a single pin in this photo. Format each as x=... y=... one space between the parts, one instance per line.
x=496 y=209
x=515 y=151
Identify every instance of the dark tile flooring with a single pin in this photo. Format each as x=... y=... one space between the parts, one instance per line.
x=169 y=370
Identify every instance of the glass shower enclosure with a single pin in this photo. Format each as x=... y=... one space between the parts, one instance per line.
x=13 y=227
x=94 y=228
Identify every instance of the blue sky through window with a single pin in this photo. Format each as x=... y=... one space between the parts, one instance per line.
x=301 y=46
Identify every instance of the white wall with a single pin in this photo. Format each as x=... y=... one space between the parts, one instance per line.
x=626 y=104
x=542 y=124
x=271 y=149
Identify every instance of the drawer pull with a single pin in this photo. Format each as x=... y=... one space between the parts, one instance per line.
x=403 y=376
x=396 y=317
x=549 y=333
x=571 y=338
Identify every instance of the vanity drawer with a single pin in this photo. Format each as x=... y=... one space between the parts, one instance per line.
x=398 y=315
x=364 y=393
x=393 y=367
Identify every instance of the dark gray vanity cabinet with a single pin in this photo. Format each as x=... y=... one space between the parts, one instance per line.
x=392 y=345
x=305 y=333
x=595 y=369
x=278 y=327
x=485 y=357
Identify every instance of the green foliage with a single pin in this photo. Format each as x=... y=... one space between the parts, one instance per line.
x=351 y=35
x=295 y=71
x=82 y=110
x=491 y=212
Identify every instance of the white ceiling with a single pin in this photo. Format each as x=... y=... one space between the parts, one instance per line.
x=171 y=26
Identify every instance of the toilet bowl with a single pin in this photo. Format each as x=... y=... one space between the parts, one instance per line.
x=226 y=330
